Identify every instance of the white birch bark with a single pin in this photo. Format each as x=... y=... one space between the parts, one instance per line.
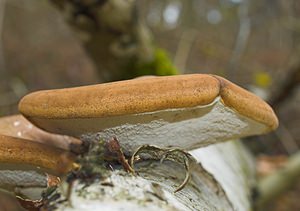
x=221 y=180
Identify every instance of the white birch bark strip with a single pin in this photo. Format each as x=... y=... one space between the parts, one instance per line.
x=223 y=183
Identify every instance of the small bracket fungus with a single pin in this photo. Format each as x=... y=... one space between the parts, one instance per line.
x=24 y=164
x=19 y=127
x=28 y=155
x=186 y=111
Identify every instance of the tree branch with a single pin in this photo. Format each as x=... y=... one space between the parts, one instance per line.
x=278 y=182
x=112 y=33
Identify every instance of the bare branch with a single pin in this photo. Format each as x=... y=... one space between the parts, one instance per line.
x=278 y=182
x=242 y=37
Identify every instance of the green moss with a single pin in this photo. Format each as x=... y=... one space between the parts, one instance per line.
x=161 y=66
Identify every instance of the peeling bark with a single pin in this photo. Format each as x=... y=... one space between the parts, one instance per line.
x=154 y=187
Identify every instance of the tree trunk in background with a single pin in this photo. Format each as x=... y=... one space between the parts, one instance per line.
x=112 y=33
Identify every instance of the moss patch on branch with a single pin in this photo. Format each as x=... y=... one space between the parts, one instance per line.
x=161 y=65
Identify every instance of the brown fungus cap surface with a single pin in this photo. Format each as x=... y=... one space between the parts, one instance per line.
x=122 y=97
x=246 y=103
x=138 y=97
x=22 y=152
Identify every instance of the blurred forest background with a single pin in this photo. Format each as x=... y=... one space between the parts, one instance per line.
x=255 y=44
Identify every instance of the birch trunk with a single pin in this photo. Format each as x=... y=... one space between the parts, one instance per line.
x=222 y=177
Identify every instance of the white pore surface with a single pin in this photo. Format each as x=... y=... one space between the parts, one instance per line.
x=22 y=178
x=187 y=128
x=232 y=166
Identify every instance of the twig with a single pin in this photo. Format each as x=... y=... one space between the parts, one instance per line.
x=242 y=37
x=2 y=61
x=286 y=87
x=184 y=47
x=286 y=139
x=277 y=183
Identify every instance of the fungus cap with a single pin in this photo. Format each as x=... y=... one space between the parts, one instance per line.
x=19 y=127
x=16 y=153
x=27 y=153
x=186 y=111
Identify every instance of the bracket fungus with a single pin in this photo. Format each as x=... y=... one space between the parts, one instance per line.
x=24 y=144
x=186 y=111
x=24 y=164
x=27 y=153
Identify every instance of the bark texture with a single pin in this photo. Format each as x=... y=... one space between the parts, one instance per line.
x=221 y=179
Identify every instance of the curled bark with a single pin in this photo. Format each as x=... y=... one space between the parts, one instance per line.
x=154 y=186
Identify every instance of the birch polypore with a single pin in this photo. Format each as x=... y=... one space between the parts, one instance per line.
x=19 y=127
x=24 y=163
x=186 y=111
x=26 y=154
